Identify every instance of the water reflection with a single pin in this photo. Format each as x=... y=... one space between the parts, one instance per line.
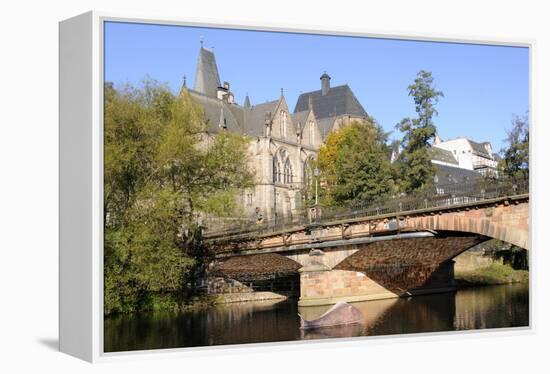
x=488 y=307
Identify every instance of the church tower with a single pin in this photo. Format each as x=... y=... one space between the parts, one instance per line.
x=207 y=79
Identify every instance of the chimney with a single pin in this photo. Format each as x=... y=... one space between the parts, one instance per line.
x=325 y=83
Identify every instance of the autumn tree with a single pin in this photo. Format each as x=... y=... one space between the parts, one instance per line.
x=163 y=172
x=413 y=166
x=354 y=164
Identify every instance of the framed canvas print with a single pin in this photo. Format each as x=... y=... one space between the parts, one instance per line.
x=226 y=185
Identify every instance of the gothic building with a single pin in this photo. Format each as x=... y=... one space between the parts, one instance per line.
x=282 y=142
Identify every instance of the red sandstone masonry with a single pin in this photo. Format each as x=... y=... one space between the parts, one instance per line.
x=336 y=283
x=509 y=223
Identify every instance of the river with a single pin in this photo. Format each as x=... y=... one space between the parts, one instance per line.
x=473 y=308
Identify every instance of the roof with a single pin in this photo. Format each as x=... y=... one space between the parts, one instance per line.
x=207 y=79
x=442 y=155
x=325 y=126
x=219 y=113
x=479 y=149
x=254 y=117
x=299 y=119
x=448 y=175
x=338 y=101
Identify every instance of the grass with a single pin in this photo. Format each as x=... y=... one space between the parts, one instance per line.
x=492 y=274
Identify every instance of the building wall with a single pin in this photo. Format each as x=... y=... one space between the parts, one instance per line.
x=465 y=155
x=271 y=199
x=461 y=150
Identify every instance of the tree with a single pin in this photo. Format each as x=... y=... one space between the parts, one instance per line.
x=515 y=158
x=414 y=166
x=163 y=174
x=354 y=164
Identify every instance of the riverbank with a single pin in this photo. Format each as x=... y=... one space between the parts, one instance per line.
x=492 y=274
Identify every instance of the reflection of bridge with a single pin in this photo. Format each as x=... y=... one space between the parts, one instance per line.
x=403 y=247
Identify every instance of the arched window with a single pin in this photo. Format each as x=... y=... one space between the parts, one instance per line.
x=311 y=132
x=276 y=170
x=288 y=172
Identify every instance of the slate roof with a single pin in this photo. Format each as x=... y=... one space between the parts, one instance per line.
x=442 y=155
x=249 y=121
x=254 y=117
x=207 y=79
x=448 y=175
x=338 y=101
x=219 y=113
x=479 y=149
x=325 y=126
x=299 y=119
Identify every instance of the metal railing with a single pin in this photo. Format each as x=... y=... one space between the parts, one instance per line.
x=442 y=196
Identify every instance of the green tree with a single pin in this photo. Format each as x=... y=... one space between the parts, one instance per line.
x=515 y=157
x=354 y=164
x=414 y=167
x=163 y=173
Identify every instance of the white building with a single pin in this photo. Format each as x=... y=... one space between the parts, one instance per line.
x=469 y=154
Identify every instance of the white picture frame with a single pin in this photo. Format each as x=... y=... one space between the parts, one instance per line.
x=81 y=181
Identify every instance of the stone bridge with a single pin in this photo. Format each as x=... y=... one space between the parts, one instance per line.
x=357 y=258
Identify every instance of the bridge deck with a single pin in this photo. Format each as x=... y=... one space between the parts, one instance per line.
x=264 y=231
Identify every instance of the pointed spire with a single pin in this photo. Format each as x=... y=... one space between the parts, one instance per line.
x=207 y=79
x=246 y=103
x=309 y=102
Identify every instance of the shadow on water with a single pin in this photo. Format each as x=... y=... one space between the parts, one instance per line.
x=476 y=308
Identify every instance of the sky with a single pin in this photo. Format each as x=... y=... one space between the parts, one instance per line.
x=483 y=86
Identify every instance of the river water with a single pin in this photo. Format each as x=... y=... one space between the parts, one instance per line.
x=474 y=308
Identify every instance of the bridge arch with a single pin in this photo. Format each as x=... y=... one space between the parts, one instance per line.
x=260 y=266
x=507 y=223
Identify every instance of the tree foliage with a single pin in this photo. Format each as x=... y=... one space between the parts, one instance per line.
x=414 y=166
x=163 y=173
x=354 y=164
x=515 y=157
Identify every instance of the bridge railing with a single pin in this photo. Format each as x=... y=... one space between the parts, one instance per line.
x=444 y=195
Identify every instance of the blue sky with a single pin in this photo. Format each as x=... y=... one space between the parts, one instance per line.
x=484 y=86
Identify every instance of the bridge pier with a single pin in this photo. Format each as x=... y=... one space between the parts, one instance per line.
x=381 y=270
x=320 y=285
x=360 y=271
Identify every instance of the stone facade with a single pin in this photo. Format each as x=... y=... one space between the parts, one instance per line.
x=328 y=287
x=282 y=143
x=506 y=221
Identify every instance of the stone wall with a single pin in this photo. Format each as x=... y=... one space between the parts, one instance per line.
x=469 y=261
x=328 y=287
x=508 y=222
x=219 y=285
